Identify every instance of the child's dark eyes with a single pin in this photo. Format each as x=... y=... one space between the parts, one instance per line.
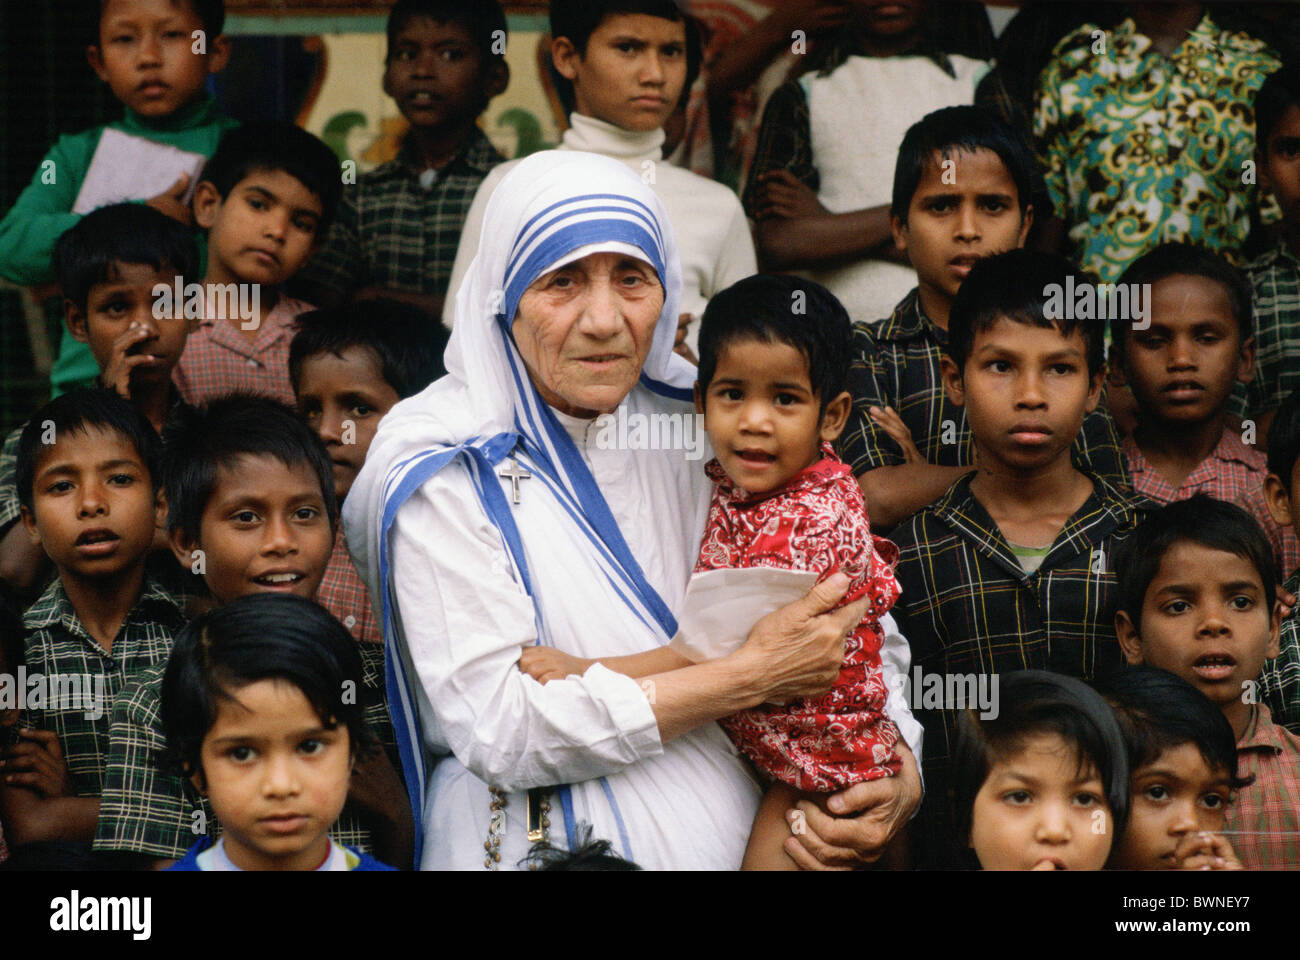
x=998 y=366
x=1157 y=792
x=1177 y=606
x=1242 y=602
x=994 y=206
x=257 y=203
x=306 y=513
x=121 y=479
x=452 y=55
x=1087 y=799
x=1213 y=801
x=244 y=516
x=312 y=746
x=1017 y=797
x=730 y=393
x=240 y=754
x=305 y=224
x=942 y=205
x=786 y=399
x=59 y=486
x=361 y=410
x=1063 y=369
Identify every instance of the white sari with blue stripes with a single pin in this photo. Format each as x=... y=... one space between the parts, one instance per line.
x=593 y=560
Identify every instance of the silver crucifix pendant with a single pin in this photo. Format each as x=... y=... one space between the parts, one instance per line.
x=514 y=473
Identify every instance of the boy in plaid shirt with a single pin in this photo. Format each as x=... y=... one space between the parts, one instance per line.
x=961 y=192
x=398 y=228
x=266 y=198
x=251 y=506
x=1198 y=599
x=349 y=366
x=1010 y=568
x=1182 y=360
x=1280 y=681
x=88 y=477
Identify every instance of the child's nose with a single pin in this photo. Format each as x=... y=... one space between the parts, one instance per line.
x=1183 y=818
x=279 y=537
x=755 y=416
x=94 y=502
x=1053 y=824
x=967 y=222
x=281 y=778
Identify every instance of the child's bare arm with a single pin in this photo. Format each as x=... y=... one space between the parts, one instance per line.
x=546 y=663
x=22 y=563
x=895 y=493
x=36 y=799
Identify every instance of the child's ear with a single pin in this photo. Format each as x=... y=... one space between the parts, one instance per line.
x=565 y=56
x=836 y=416
x=1130 y=642
x=96 y=61
x=1115 y=368
x=899 y=230
x=182 y=546
x=206 y=203
x=497 y=79
x=1246 y=361
x=29 y=523
x=1261 y=168
x=76 y=321
x=200 y=784
x=1278 y=501
x=1095 y=382
x=952 y=381
x=1274 y=631
x=160 y=509
x=699 y=399
x=1026 y=224
x=218 y=53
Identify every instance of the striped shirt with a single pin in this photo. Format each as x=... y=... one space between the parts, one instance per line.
x=1263 y=821
x=82 y=679
x=1232 y=472
x=1275 y=302
x=218 y=359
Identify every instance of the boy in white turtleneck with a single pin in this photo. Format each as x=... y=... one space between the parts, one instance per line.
x=627 y=64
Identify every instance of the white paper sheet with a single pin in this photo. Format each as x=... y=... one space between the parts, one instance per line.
x=127 y=167
x=722 y=606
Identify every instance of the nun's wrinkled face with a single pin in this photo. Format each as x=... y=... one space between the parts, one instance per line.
x=584 y=331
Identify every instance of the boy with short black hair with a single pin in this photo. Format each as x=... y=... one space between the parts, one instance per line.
x=1275 y=274
x=88 y=478
x=628 y=63
x=147 y=52
x=1198 y=598
x=108 y=264
x=349 y=366
x=266 y=198
x=398 y=227
x=1182 y=358
x=1010 y=568
x=1183 y=768
x=961 y=192
x=1280 y=681
x=251 y=507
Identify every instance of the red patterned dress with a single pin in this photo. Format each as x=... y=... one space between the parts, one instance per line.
x=817 y=522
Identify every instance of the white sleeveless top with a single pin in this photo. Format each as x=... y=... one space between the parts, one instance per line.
x=858 y=115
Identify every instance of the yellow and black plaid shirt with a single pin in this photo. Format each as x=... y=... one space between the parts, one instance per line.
x=71 y=663
x=895 y=363
x=968 y=608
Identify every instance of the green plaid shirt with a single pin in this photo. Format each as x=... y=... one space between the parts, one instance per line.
x=147 y=809
x=391 y=232
x=9 y=505
x=1275 y=302
x=61 y=650
x=895 y=363
x=968 y=608
x=1280 y=681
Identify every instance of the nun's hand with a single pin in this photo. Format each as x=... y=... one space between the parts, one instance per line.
x=869 y=817
x=797 y=650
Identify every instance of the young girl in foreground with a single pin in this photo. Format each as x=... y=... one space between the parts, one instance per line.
x=1044 y=784
x=260 y=708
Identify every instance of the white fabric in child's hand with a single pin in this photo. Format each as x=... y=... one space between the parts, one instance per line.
x=722 y=606
x=126 y=167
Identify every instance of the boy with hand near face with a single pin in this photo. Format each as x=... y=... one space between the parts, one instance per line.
x=1183 y=770
x=1010 y=568
x=1182 y=360
x=961 y=192
x=266 y=198
x=1198 y=599
x=349 y=366
x=251 y=507
x=149 y=53
x=88 y=477
x=628 y=63
x=397 y=229
x=108 y=265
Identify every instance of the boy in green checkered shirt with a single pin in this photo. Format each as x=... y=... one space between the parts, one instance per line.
x=88 y=479
x=1010 y=569
x=398 y=227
